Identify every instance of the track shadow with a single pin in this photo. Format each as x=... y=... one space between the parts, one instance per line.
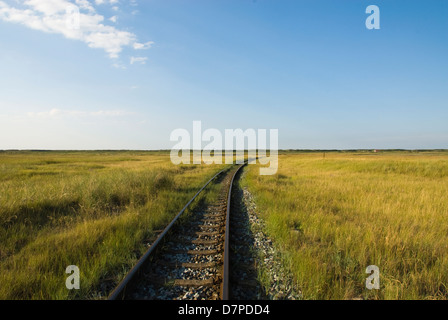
x=244 y=283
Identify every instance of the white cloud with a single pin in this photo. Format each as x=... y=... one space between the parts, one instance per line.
x=48 y=7
x=140 y=46
x=98 y=2
x=54 y=16
x=141 y=60
x=84 y=4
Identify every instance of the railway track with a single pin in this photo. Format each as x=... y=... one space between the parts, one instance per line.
x=190 y=259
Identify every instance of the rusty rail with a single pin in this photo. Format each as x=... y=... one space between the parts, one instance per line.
x=120 y=291
x=226 y=267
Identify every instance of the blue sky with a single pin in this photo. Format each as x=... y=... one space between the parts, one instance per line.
x=136 y=70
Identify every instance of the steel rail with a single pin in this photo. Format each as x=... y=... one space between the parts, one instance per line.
x=226 y=267
x=120 y=291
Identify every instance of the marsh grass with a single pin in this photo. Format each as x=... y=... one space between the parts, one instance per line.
x=335 y=216
x=95 y=210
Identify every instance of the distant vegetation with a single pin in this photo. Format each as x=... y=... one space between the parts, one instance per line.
x=334 y=214
x=95 y=210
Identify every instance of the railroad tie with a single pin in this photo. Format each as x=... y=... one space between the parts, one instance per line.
x=211 y=226
x=215 y=216
x=213 y=220
x=208 y=234
x=202 y=252
x=205 y=242
x=190 y=265
x=194 y=283
x=195 y=252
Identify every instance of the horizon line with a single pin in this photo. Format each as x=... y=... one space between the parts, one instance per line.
x=222 y=150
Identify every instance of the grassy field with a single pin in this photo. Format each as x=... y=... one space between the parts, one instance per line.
x=334 y=214
x=95 y=210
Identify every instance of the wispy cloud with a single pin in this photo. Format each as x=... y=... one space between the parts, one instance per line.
x=56 y=16
x=141 y=60
x=141 y=46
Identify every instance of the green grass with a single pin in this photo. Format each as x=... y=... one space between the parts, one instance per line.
x=335 y=216
x=95 y=210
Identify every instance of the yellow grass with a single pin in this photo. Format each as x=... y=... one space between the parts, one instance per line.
x=335 y=216
x=95 y=210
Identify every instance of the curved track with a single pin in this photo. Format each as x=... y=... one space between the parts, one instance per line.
x=190 y=258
